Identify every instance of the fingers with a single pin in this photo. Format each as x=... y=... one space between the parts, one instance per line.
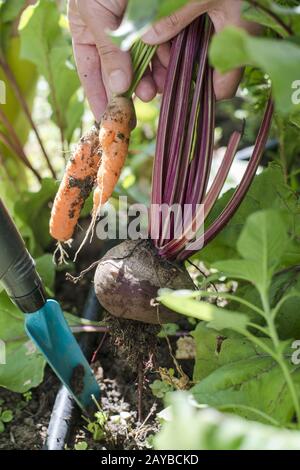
x=222 y=13
x=226 y=85
x=89 y=70
x=170 y=26
x=87 y=61
x=228 y=13
x=163 y=54
x=99 y=17
x=159 y=73
x=146 y=89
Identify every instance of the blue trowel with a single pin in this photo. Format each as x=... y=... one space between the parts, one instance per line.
x=44 y=321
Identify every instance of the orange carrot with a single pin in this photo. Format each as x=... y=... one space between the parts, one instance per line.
x=78 y=182
x=117 y=123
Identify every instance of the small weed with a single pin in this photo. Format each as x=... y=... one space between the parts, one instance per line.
x=6 y=416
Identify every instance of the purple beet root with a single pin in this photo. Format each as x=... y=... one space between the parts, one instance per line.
x=128 y=278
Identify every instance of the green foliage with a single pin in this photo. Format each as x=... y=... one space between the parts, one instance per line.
x=271 y=55
x=189 y=428
x=81 y=446
x=32 y=211
x=44 y=43
x=253 y=374
x=97 y=427
x=24 y=368
x=9 y=11
x=168 y=329
x=160 y=388
x=27 y=396
x=6 y=416
x=140 y=15
x=260 y=247
x=240 y=378
x=268 y=191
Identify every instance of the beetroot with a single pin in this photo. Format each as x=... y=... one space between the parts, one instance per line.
x=128 y=278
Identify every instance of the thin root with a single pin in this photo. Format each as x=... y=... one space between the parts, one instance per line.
x=62 y=253
x=90 y=231
x=75 y=279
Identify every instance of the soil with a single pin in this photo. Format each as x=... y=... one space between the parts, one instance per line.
x=119 y=402
x=29 y=426
x=118 y=365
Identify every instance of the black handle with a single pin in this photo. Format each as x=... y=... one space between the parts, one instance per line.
x=17 y=268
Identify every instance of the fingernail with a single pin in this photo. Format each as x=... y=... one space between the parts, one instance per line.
x=118 y=81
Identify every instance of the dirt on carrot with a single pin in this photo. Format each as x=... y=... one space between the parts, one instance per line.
x=77 y=184
x=116 y=126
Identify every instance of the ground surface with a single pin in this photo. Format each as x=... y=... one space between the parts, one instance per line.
x=119 y=401
x=116 y=367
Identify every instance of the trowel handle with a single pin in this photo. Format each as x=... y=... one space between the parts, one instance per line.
x=17 y=268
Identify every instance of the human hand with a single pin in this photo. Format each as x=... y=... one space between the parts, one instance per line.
x=104 y=69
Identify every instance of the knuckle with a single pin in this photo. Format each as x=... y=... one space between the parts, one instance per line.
x=106 y=50
x=172 y=21
x=116 y=7
x=157 y=29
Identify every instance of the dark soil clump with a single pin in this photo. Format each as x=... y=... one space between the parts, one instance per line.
x=135 y=341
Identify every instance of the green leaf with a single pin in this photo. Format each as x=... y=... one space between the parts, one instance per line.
x=140 y=15
x=74 y=115
x=218 y=318
x=264 y=239
x=81 y=446
x=256 y=15
x=10 y=10
x=271 y=55
x=2 y=427
x=267 y=191
x=261 y=244
x=214 y=351
x=160 y=388
x=189 y=428
x=43 y=43
x=236 y=372
x=33 y=212
x=246 y=270
x=283 y=284
x=168 y=329
x=46 y=269
x=6 y=416
x=24 y=366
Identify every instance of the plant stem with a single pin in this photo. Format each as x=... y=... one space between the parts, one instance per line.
x=246 y=181
x=282 y=152
x=259 y=328
x=282 y=301
x=8 y=176
x=56 y=105
x=141 y=55
x=280 y=358
x=16 y=151
x=16 y=144
x=272 y=15
x=18 y=93
x=225 y=296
